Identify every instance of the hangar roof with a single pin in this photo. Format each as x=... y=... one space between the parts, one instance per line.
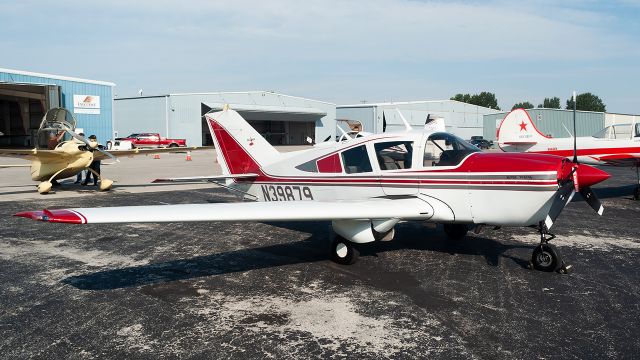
x=67 y=78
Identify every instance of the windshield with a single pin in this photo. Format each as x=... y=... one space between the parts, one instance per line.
x=444 y=149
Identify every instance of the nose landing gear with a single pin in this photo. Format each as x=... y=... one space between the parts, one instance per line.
x=546 y=257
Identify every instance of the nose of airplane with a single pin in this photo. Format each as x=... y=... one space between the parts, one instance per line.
x=588 y=175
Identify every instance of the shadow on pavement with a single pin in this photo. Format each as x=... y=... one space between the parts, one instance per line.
x=313 y=249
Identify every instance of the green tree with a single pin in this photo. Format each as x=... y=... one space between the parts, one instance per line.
x=523 y=105
x=485 y=99
x=587 y=102
x=551 y=103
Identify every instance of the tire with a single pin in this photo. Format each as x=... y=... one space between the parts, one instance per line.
x=456 y=231
x=174 y=145
x=546 y=257
x=343 y=252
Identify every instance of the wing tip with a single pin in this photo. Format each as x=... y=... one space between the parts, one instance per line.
x=59 y=216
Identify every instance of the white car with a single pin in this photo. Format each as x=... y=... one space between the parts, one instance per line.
x=119 y=145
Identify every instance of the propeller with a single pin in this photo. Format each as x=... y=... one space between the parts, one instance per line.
x=579 y=179
x=93 y=145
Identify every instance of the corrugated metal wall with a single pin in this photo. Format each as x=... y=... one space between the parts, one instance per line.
x=464 y=120
x=184 y=112
x=145 y=114
x=98 y=124
x=551 y=122
x=366 y=115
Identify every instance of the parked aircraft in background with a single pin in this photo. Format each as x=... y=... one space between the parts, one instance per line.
x=367 y=185
x=615 y=145
x=66 y=158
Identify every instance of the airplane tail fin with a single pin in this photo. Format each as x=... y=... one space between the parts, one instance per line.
x=240 y=148
x=517 y=132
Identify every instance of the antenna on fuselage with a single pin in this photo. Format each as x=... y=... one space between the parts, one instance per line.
x=406 y=123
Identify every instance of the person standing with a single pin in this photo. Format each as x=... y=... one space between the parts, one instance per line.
x=79 y=175
x=95 y=166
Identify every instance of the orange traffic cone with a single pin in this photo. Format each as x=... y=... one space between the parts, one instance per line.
x=188 y=155
x=156 y=156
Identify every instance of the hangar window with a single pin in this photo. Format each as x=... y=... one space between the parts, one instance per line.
x=394 y=155
x=444 y=149
x=356 y=160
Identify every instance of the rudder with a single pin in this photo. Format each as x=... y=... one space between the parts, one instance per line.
x=517 y=130
x=241 y=149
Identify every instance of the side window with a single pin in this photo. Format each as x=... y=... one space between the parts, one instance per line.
x=432 y=152
x=394 y=155
x=356 y=160
x=637 y=130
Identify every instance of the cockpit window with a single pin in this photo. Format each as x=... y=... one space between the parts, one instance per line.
x=620 y=131
x=444 y=149
x=394 y=155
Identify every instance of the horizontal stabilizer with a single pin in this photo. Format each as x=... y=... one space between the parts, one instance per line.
x=213 y=178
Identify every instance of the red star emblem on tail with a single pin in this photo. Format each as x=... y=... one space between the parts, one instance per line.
x=523 y=126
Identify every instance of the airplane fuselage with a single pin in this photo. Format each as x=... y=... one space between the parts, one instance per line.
x=70 y=158
x=482 y=188
x=590 y=150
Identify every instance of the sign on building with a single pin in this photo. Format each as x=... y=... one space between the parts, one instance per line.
x=86 y=104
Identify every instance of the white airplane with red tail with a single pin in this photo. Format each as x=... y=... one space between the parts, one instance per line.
x=615 y=145
x=367 y=185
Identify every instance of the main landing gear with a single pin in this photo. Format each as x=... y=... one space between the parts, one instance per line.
x=343 y=251
x=546 y=257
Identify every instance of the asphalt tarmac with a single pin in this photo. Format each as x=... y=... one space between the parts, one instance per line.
x=268 y=290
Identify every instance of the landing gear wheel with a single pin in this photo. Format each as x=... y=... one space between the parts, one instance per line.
x=456 y=231
x=343 y=251
x=546 y=257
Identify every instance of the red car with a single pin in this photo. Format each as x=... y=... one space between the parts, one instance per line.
x=152 y=140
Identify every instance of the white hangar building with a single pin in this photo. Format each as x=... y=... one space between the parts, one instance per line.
x=462 y=119
x=281 y=119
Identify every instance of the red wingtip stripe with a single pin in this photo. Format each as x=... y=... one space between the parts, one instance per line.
x=59 y=216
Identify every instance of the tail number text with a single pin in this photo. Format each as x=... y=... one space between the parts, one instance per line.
x=286 y=193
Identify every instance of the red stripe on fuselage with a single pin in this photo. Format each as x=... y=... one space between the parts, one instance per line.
x=588 y=152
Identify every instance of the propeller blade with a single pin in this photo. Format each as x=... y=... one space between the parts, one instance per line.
x=108 y=154
x=79 y=138
x=563 y=197
x=91 y=145
x=591 y=199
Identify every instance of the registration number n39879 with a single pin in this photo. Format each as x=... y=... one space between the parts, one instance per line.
x=286 y=193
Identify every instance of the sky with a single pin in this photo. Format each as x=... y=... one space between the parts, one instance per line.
x=343 y=52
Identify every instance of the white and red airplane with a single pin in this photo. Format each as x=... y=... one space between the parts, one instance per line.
x=615 y=145
x=367 y=185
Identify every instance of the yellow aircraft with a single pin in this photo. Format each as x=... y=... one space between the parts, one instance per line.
x=61 y=159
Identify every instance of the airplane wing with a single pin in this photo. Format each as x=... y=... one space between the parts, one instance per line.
x=212 y=178
x=411 y=208
x=133 y=152
x=30 y=154
x=620 y=160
